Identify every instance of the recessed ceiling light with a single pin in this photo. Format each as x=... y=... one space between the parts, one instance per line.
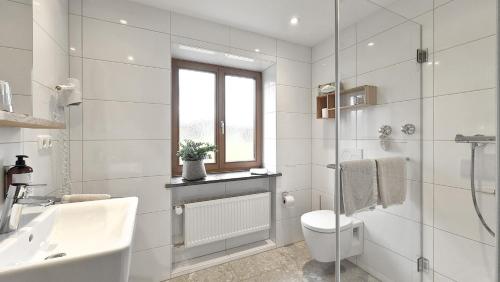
x=294 y=21
x=130 y=58
x=196 y=49
x=436 y=62
x=72 y=48
x=241 y=58
x=371 y=44
x=123 y=21
x=257 y=50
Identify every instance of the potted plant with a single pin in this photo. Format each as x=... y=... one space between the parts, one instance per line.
x=192 y=155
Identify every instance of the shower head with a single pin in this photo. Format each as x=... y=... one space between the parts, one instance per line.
x=478 y=138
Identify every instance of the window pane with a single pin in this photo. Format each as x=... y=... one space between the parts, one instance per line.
x=197 y=107
x=240 y=118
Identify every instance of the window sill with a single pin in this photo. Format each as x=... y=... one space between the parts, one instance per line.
x=219 y=177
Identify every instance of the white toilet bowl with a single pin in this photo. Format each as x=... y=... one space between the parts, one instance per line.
x=319 y=232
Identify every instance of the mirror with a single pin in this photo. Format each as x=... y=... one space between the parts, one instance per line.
x=16 y=52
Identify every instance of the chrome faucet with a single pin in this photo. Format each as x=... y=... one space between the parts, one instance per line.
x=17 y=198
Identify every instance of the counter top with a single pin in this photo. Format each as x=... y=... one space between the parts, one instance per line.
x=219 y=177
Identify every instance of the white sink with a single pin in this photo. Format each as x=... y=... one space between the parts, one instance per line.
x=90 y=241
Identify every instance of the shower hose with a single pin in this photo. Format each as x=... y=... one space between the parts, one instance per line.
x=474 y=146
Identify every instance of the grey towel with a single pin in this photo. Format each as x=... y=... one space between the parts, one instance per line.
x=358 y=185
x=391 y=181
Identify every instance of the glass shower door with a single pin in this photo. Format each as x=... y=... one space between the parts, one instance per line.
x=380 y=120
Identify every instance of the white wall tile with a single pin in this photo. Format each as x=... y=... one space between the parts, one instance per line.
x=478 y=20
x=288 y=231
x=293 y=99
x=392 y=268
x=395 y=83
x=152 y=230
x=237 y=188
x=395 y=115
x=454 y=212
x=323 y=71
x=133 y=13
x=125 y=120
x=463 y=259
x=75 y=157
x=16 y=27
x=407 y=8
x=294 y=178
x=194 y=28
x=251 y=41
x=75 y=7
x=50 y=15
x=123 y=82
x=18 y=74
x=293 y=73
x=455 y=70
x=294 y=51
x=300 y=147
x=393 y=46
x=466 y=113
x=151 y=265
x=376 y=23
x=400 y=235
x=323 y=49
x=151 y=191
x=117 y=42
x=293 y=125
x=108 y=160
x=427 y=23
x=452 y=165
x=302 y=205
x=75 y=35
x=8 y=152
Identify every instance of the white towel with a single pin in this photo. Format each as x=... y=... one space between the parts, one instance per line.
x=74 y=198
x=391 y=181
x=358 y=185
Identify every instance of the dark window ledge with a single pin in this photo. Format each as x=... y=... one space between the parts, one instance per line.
x=219 y=177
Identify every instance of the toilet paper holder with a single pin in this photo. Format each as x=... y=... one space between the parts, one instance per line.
x=285 y=199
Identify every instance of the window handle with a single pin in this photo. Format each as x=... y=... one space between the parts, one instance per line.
x=222 y=126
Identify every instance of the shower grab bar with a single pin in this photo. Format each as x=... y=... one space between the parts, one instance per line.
x=334 y=166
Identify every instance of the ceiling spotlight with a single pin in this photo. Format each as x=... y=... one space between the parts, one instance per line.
x=294 y=21
x=72 y=49
x=257 y=50
x=123 y=22
x=130 y=58
x=371 y=44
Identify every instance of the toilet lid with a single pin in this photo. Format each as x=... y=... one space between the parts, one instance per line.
x=324 y=221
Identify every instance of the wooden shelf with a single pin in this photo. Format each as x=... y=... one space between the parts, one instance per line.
x=368 y=93
x=24 y=121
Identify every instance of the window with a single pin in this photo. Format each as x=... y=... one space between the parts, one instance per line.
x=221 y=106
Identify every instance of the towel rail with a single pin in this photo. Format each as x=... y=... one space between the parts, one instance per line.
x=334 y=166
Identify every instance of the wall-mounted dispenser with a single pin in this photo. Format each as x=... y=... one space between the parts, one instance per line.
x=70 y=93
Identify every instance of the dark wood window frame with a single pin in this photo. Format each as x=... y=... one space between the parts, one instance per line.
x=220 y=164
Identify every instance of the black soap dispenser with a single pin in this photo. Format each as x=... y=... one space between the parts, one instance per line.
x=20 y=174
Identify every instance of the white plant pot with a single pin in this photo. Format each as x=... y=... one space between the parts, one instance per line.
x=193 y=170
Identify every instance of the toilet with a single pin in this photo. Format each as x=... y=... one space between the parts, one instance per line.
x=318 y=228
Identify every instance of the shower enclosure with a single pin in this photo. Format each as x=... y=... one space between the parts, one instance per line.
x=432 y=65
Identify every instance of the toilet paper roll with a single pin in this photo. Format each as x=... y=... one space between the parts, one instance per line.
x=288 y=201
x=324 y=113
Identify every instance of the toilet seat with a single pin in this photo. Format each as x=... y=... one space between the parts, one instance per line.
x=323 y=221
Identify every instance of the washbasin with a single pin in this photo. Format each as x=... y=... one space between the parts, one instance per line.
x=87 y=241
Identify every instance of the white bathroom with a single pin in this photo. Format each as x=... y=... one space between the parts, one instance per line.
x=249 y=140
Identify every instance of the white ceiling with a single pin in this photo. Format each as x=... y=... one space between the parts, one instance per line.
x=271 y=17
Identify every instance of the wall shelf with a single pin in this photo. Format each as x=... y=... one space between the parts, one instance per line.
x=366 y=93
x=24 y=121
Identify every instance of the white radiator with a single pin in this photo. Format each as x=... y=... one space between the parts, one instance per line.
x=216 y=220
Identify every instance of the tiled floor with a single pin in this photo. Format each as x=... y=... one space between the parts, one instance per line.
x=290 y=263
